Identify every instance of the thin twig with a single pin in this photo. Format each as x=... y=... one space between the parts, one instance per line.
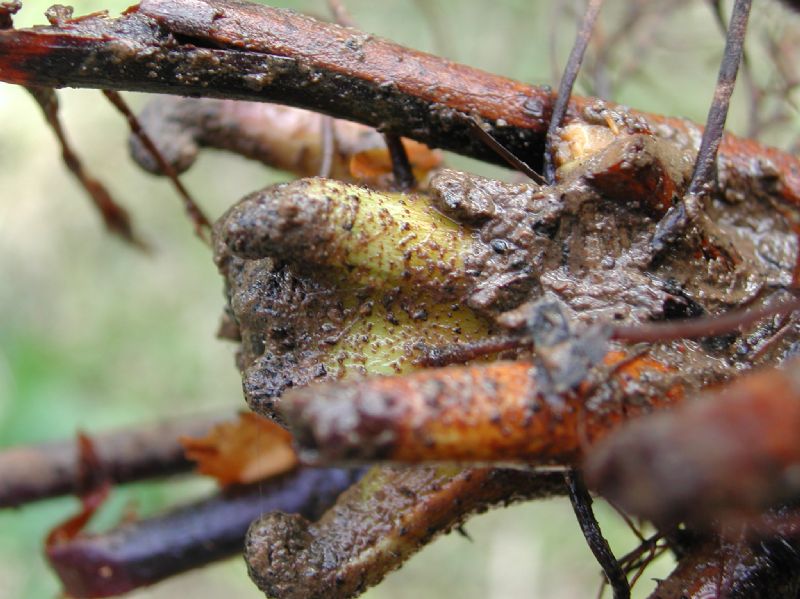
x=115 y=217
x=628 y=561
x=340 y=13
x=479 y=132
x=401 y=165
x=700 y=327
x=201 y=223
x=628 y=521
x=38 y=472
x=653 y=553
x=705 y=165
x=566 y=85
x=582 y=505
x=754 y=94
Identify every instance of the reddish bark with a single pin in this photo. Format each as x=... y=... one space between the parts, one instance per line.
x=481 y=413
x=248 y=51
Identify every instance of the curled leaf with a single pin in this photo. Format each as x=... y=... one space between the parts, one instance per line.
x=250 y=449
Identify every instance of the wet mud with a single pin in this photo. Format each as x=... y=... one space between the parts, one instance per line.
x=331 y=283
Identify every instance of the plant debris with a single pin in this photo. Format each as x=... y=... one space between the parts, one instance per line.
x=248 y=450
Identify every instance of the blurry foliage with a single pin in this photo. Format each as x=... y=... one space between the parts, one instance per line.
x=94 y=334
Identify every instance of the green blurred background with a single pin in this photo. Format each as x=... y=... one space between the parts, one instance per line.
x=95 y=335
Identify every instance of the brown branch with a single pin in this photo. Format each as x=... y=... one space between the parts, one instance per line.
x=286 y=138
x=302 y=142
x=201 y=223
x=582 y=506
x=355 y=76
x=482 y=413
x=728 y=454
x=115 y=217
x=146 y=551
x=145 y=451
x=253 y=52
x=738 y=569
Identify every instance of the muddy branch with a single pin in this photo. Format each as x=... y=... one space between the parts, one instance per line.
x=144 y=552
x=376 y=525
x=246 y=51
x=731 y=452
x=481 y=413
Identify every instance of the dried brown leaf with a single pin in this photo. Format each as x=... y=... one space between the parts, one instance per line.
x=250 y=449
x=371 y=164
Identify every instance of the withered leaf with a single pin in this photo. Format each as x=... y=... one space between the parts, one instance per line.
x=250 y=449
x=370 y=164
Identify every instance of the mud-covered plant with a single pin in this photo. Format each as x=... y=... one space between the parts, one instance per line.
x=482 y=342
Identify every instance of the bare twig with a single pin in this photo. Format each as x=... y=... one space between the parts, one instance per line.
x=144 y=552
x=401 y=166
x=41 y=471
x=201 y=223
x=566 y=84
x=340 y=13
x=115 y=217
x=582 y=506
x=755 y=95
x=701 y=327
x=705 y=165
x=480 y=133
x=705 y=168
